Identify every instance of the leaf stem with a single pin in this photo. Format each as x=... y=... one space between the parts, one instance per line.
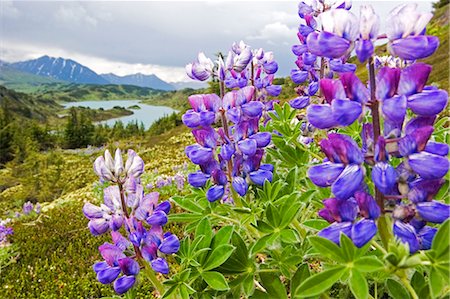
x=408 y=286
x=154 y=280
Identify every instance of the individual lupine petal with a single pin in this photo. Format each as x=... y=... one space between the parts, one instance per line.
x=414 y=47
x=415 y=141
x=345 y=148
x=198 y=179
x=348 y=209
x=273 y=90
x=304 y=8
x=384 y=177
x=157 y=218
x=418 y=122
x=333 y=232
x=149 y=251
x=234 y=115
x=367 y=137
x=299 y=49
x=262 y=138
x=394 y=109
x=109 y=161
x=188 y=69
x=437 y=148
x=164 y=206
x=268 y=167
x=118 y=163
x=116 y=222
x=337 y=66
x=270 y=67
x=298 y=76
x=332 y=208
x=324 y=175
x=119 y=240
x=348 y=182
x=240 y=185
x=327 y=44
x=309 y=58
x=299 y=102
x=199 y=72
x=340 y=22
x=102 y=170
x=111 y=198
x=227 y=151
x=387 y=82
x=406 y=233
x=433 y=211
x=123 y=284
x=207 y=118
x=253 y=109
x=364 y=49
x=428 y=102
x=313 y=87
x=110 y=253
x=428 y=166
x=424 y=190
x=219 y=177
x=214 y=193
x=260 y=176
x=369 y=23
x=354 y=88
x=160 y=265
x=198 y=155
x=363 y=231
x=345 y=112
x=305 y=30
x=413 y=78
x=332 y=89
x=368 y=207
x=191 y=119
x=100 y=266
x=206 y=137
x=92 y=211
x=98 y=226
x=129 y=266
x=170 y=244
x=247 y=146
x=325 y=214
x=108 y=275
x=321 y=117
x=426 y=236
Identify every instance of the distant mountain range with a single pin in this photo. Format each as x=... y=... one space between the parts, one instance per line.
x=138 y=79
x=51 y=69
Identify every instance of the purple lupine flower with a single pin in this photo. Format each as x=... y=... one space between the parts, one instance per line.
x=340 y=29
x=405 y=31
x=27 y=208
x=369 y=24
x=113 y=170
x=201 y=69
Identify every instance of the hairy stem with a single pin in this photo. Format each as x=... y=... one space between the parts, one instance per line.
x=154 y=280
x=382 y=223
x=408 y=286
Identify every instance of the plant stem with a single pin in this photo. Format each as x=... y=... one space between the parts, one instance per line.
x=299 y=228
x=378 y=246
x=382 y=223
x=409 y=287
x=225 y=218
x=154 y=280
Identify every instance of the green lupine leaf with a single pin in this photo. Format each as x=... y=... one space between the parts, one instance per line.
x=347 y=247
x=358 y=285
x=248 y=285
x=396 y=289
x=437 y=282
x=187 y=205
x=218 y=256
x=368 y=264
x=271 y=282
x=319 y=283
x=184 y=217
x=316 y=224
x=223 y=236
x=300 y=275
x=273 y=216
x=418 y=281
x=327 y=248
x=215 y=280
x=441 y=242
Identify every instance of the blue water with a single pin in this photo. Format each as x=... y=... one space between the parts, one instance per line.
x=148 y=114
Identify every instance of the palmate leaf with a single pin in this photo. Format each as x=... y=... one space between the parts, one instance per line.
x=396 y=289
x=327 y=248
x=368 y=264
x=272 y=284
x=218 y=256
x=319 y=283
x=215 y=280
x=358 y=285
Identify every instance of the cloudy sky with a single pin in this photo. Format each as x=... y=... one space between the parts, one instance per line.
x=152 y=37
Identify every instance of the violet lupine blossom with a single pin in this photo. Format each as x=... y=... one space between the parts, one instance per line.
x=230 y=156
x=342 y=215
x=5 y=231
x=126 y=205
x=406 y=33
x=27 y=208
x=409 y=109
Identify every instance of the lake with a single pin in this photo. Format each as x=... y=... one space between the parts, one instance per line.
x=148 y=114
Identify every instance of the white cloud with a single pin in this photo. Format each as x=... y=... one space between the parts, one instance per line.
x=7 y=9
x=75 y=13
x=274 y=32
x=12 y=52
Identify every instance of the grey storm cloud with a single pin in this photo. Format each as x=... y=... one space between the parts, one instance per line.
x=167 y=34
